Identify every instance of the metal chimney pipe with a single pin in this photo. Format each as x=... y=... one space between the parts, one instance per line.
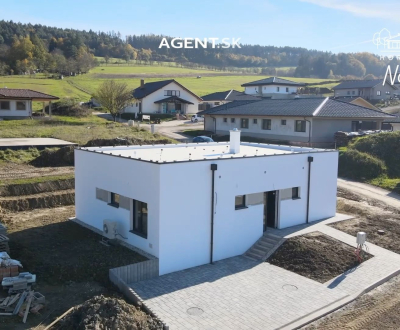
x=234 y=141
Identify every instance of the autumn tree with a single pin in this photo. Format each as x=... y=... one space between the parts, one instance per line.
x=114 y=97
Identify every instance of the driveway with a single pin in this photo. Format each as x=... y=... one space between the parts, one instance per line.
x=372 y=192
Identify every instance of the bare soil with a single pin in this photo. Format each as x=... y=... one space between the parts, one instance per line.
x=24 y=171
x=70 y=263
x=108 y=313
x=370 y=217
x=36 y=188
x=316 y=256
x=376 y=310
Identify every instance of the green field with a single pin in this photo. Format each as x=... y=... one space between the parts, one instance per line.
x=82 y=86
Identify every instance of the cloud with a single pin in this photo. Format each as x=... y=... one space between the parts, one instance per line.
x=379 y=9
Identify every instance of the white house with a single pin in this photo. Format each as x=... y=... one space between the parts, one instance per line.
x=165 y=96
x=17 y=103
x=192 y=204
x=218 y=98
x=273 y=87
x=372 y=89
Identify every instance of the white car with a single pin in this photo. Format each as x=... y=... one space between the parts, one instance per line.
x=197 y=118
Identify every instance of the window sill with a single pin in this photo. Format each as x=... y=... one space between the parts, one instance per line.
x=241 y=208
x=138 y=234
x=114 y=205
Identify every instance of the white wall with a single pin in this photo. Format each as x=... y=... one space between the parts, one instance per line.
x=148 y=105
x=396 y=126
x=127 y=177
x=185 y=219
x=270 y=89
x=13 y=112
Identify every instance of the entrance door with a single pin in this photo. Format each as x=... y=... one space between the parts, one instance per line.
x=270 y=209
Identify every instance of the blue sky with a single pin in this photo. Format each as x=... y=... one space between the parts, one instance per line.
x=332 y=25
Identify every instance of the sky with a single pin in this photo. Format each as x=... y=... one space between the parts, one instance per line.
x=327 y=25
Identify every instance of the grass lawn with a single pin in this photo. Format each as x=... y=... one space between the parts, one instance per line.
x=78 y=130
x=384 y=182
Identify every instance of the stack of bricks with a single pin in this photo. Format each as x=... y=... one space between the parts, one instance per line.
x=9 y=271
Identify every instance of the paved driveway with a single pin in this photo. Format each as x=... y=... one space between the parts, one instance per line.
x=236 y=293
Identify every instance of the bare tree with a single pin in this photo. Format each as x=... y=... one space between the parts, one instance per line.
x=114 y=97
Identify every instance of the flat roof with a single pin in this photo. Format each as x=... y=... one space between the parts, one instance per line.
x=22 y=143
x=170 y=153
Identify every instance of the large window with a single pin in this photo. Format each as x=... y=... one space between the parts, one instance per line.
x=244 y=123
x=300 y=126
x=5 y=105
x=140 y=216
x=21 y=105
x=266 y=124
x=172 y=93
x=240 y=202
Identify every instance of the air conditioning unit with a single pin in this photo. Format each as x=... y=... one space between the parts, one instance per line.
x=109 y=229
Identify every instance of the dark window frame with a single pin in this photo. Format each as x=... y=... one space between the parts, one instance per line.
x=113 y=203
x=225 y=120
x=378 y=93
x=141 y=230
x=278 y=89
x=283 y=122
x=268 y=126
x=232 y=120
x=9 y=105
x=295 y=193
x=255 y=121
x=242 y=205
x=302 y=123
x=287 y=89
x=244 y=123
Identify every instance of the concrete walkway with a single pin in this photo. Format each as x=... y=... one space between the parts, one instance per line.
x=370 y=191
x=240 y=293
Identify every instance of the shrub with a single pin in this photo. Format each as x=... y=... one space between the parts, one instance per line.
x=69 y=107
x=354 y=164
x=52 y=157
x=384 y=146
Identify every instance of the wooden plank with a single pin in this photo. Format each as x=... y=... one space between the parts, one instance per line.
x=14 y=299
x=28 y=306
x=5 y=302
x=20 y=302
x=59 y=318
x=6 y=314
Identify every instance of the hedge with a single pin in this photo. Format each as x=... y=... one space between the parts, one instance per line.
x=354 y=164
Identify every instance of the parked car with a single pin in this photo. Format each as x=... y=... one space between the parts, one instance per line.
x=202 y=138
x=197 y=118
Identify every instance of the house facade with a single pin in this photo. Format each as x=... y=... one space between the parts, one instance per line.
x=313 y=121
x=164 y=97
x=272 y=87
x=17 y=103
x=224 y=213
x=218 y=98
x=372 y=90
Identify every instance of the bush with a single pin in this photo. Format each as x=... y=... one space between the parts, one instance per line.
x=354 y=164
x=384 y=146
x=52 y=157
x=69 y=107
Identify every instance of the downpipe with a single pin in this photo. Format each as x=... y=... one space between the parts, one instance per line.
x=213 y=169
x=310 y=160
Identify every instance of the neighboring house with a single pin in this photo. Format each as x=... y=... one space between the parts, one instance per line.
x=165 y=96
x=17 y=103
x=273 y=87
x=357 y=100
x=221 y=213
x=373 y=90
x=214 y=99
x=313 y=120
x=394 y=123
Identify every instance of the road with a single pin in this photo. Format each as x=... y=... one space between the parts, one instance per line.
x=369 y=191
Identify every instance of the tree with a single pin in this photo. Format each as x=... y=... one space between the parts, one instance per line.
x=114 y=97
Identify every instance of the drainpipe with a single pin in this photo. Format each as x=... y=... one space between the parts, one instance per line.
x=213 y=169
x=310 y=160
x=215 y=124
x=309 y=131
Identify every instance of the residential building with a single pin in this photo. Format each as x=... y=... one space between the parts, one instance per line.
x=372 y=90
x=221 y=213
x=165 y=96
x=393 y=123
x=273 y=87
x=306 y=120
x=218 y=98
x=17 y=103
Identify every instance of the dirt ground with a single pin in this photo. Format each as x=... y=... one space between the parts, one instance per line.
x=316 y=256
x=23 y=171
x=70 y=263
x=370 y=217
x=376 y=310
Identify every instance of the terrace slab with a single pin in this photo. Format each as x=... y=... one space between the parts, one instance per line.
x=39 y=143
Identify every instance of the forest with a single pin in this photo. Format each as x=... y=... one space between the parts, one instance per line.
x=26 y=48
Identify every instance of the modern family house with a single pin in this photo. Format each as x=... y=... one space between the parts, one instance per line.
x=308 y=120
x=17 y=103
x=165 y=96
x=273 y=87
x=221 y=213
x=372 y=90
